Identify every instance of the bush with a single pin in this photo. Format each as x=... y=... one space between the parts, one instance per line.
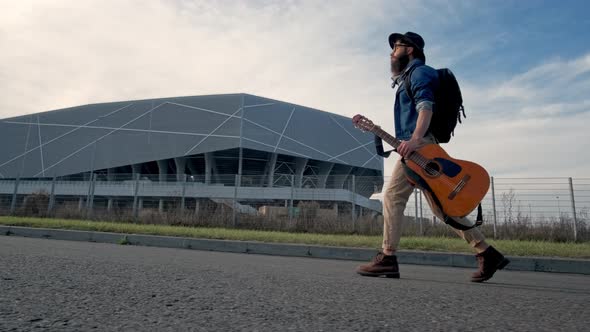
x=35 y=204
x=306 y=217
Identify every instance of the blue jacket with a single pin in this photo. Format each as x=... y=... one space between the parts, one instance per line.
x=423 y=82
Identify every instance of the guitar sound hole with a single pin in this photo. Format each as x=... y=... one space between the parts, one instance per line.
x=432 y=169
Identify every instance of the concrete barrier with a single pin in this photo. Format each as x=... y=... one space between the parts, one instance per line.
x=538 y=264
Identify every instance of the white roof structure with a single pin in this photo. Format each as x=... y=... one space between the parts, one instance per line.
x=109 y=135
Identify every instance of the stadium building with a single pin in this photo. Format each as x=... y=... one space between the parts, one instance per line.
x=271 y=150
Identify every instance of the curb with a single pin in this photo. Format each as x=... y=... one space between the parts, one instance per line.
x=517 y=263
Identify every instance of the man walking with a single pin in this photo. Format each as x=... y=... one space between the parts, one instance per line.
x=412 y=119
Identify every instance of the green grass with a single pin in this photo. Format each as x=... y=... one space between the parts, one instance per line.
x=508 y=247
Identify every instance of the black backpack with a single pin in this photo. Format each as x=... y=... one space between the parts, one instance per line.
x=448 y=105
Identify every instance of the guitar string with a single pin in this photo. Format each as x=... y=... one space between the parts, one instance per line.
x=422 y=162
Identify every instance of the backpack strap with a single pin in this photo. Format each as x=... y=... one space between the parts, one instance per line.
x=408 y=85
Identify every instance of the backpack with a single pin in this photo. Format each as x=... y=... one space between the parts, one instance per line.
x=448 y=104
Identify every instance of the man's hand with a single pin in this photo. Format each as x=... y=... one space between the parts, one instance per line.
x=407 y=147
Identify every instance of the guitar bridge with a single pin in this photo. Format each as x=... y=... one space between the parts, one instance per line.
x=459 y=186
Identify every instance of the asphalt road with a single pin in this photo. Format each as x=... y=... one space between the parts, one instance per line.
x=79 y=286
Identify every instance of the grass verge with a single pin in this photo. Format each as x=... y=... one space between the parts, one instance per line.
x=441 y=244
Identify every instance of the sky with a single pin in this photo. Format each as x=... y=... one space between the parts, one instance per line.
x=523 y=66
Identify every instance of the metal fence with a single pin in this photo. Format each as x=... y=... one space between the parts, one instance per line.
x=524 y=208
x=549 y=204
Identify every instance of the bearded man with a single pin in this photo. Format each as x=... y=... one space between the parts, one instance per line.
x=412 y=118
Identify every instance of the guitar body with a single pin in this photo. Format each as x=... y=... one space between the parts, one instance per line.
x=459 y=185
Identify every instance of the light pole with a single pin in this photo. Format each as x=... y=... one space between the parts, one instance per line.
x=558 y=208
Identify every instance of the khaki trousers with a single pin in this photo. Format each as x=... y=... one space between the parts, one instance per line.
x=394 y=203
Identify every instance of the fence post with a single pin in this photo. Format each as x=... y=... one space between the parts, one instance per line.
x=14 y=196
x=183 y=193
x=494 y=205
x=291 y=200
x=51 y=197
x=353 y=210
x=197 y=208
x=574 y=209
x=421 y=215
x=235 y=202
x=89 y=190
x=90 y=200
x=110 y=178
x=135 y=198
x=416 y=205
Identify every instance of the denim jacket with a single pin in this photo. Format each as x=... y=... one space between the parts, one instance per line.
x=423 y=82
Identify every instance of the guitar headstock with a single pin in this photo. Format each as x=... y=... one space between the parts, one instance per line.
x=362 y=123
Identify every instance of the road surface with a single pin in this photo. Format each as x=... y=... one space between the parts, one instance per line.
x=79 y=286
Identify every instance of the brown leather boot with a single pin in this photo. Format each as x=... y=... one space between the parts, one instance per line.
x=380 y=266
x=489 y=262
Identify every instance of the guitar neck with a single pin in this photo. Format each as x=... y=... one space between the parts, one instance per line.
x=415 y=156
x=386 y=137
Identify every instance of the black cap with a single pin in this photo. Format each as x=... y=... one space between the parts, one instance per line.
x=409 y=37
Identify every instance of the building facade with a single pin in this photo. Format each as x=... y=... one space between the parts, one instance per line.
x=215 y=140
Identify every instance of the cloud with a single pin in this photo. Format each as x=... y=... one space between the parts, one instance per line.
x=555 y=83
x=533 y=124
x=59 y=53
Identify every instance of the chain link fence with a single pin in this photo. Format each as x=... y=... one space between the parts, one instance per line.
x=555 y=209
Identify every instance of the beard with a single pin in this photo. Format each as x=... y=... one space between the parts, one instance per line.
x=399 y=64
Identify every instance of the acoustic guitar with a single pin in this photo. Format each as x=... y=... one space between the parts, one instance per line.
x=458 y=185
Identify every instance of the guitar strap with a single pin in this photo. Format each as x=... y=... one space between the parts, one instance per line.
x=379 y=148
x=417 y=180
